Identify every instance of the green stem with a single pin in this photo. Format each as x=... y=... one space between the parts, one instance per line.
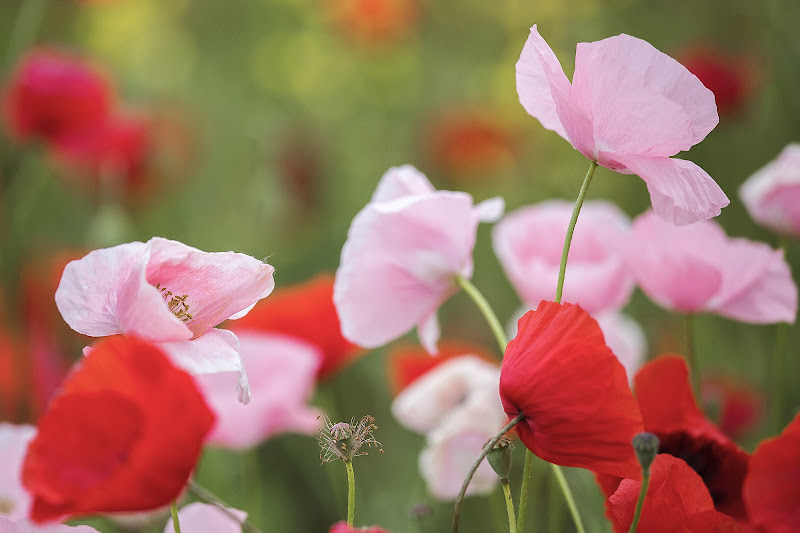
x=573 y=509
x=691 y=356
x=523 y=493
x=571 y=229
x=26 y=26
x=486 y=449
x=486 y=310
x=176 y=524
x=640 y=503
x=512 y=523
x=778 y=379
x=351 y=492
x=205 y=495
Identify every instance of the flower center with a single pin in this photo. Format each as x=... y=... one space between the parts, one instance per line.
x=177 y=304
x=6 y=506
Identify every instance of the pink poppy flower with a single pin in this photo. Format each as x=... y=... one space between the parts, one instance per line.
x=167 y=293
x=282 y=373
x=700 y=269
x=772 y=195
x=24 y=526
x=206 y=518
x=15 y=501
x=529 y=242
x=402 y=255
x=630 y=108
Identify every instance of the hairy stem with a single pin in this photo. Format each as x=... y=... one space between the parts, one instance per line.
x=640 y=503
x=523 y=494
x=351 y=492
x=512 y=522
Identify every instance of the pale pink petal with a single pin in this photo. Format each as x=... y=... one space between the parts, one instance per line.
x=207 y=287
x=490 y=210
x=15 y=501
x=626 y=339
x=398 y=182
x=641 y=101
x=242 y=313
x=282 y=373
x=105 y=293
x=429 y=332
x=24 y=526
x=206 y=518
x=680 y=191
x=772 y=194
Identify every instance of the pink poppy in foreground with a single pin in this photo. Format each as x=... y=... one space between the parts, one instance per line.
x=24 y=526
x=529 y=242
x=15 y=501
x=772 y=194
x=166 y=292
x=282 y=373
x=342 y=527
x=403 y=253
x=700 y=269
x=206 y=518
x=630 y=108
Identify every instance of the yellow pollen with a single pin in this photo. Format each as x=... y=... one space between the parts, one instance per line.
x=6 y=506
x=177 y=304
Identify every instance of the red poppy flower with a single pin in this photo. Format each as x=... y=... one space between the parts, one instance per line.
x=123 y=434
x=54 y=95
x=772 y=486
x=730 y=78
x=407 y=363
x=574 y=393
x=306 y=312
x=342 y=527
x=739 y=406
x=677 y=502
x=669 y=410
x=376 y=21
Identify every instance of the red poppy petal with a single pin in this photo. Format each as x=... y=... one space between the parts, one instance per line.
x=713 y=522
x=123 y=435
x=579 y=410
x=772 y=487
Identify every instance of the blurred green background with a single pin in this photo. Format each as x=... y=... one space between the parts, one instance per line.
x=281 y=117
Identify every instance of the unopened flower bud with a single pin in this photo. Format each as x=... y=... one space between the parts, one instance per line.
x=499 y=457
x=646 y=447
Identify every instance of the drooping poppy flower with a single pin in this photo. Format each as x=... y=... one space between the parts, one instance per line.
x=772 y=194
x=677 y=502
x=572 y=390
x=402 y=255
x=529 y=243
x=166 y=292
x=306 y=312
x=700 y=269
x=24 y=526
x=729 y=77
x=15 y=502
x=123 y=435
x=630 y=108
x=206 y=518
x=739 y=405
x=54 y=96
x=342 y=527
x=373 y=22
x=772 y=486
x=282 y=373
x=669 y=410
x=408 y=363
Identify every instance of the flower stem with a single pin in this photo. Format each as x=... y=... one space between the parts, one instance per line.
x=512 y=522
x=779 y=363
x=486 y=310
x=571 y=229
x=573 y=509
x=351 y=492
x=205 y=495
x=486 y=449
x=26 y=26
x=640 y=503
x=523 y=494
x=691 y=356
x=176 y=524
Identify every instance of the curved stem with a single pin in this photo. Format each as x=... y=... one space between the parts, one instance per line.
x=640 y=502
x=176 y=524
x=486 y=310
x=571 y=228
x=205 y=495
x=486 y=449
x=26 y=26
x=523 y=493
x=512 y=522
x=351 y=492
x=691 y=356
x=573 y=509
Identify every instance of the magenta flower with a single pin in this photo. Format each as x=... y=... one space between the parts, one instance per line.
x=701 y=269
x=15 y=501
x=772 y=195
x=629 y=108
x=167 y=293
x=206 y=518
x=402 y=255
x=282 y=373
x=529 y=242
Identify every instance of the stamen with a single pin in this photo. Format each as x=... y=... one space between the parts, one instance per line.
x=176 y=304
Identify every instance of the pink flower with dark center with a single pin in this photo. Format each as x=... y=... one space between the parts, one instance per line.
x=772 y=195
x=167 y=293
x=630 y=108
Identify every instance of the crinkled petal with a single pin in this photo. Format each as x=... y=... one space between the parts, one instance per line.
x=206 y=518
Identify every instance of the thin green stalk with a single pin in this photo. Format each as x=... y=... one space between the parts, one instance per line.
x=573 y=509
x=523 y=495
x=497 y=508
x=351 y=492
x=486 y=310
x=640 y=502
x=26 y=27
x=205 y=495
x=176 y=524
x=512 y=523
x=486 y=449
x=779 y=362
x=691 y=355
